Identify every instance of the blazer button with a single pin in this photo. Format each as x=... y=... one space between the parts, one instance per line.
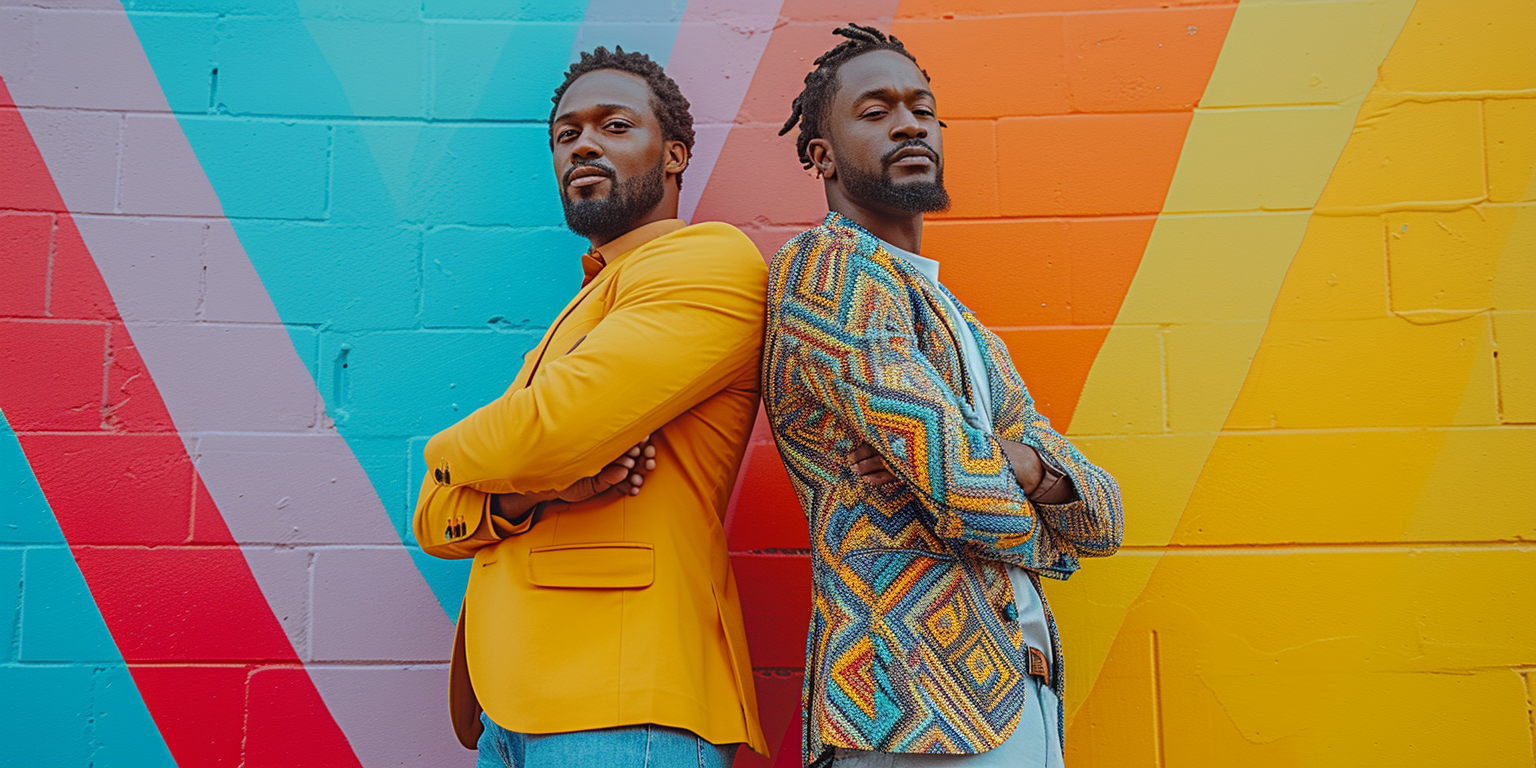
x=438 y=474
x=1011 y=612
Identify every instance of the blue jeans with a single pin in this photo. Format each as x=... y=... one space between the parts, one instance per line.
x=634 y=746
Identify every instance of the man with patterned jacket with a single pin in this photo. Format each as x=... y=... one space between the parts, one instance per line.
x=936 y=494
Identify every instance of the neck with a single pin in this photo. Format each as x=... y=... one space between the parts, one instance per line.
x=666 y=209
x=902 y=229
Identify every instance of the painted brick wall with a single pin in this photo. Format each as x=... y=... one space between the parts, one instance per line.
x=1271 y=263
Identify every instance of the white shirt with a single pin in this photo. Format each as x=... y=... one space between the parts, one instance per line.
x=1036 y=740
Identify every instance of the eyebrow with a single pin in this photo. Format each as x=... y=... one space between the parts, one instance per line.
x=564 y=116
x=889 y=94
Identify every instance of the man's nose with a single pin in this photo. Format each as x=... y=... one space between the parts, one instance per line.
x=907 y=126
x=585 y=147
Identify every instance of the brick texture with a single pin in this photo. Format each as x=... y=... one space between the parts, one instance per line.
x=381 y=170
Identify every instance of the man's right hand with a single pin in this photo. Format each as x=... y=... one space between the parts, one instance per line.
x=626 y=473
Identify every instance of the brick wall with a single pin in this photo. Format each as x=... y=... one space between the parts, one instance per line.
x=1270 y=263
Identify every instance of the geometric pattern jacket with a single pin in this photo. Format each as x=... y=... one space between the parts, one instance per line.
x=910 y=646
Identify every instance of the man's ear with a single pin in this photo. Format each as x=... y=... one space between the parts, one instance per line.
x=822 y=161
x=676 y=159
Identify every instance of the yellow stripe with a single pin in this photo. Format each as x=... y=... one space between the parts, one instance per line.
x=1276 y=115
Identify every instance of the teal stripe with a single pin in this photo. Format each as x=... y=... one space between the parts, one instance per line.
x=646 y=26
x=70 y=699
x=388 y=175
x=385 y=164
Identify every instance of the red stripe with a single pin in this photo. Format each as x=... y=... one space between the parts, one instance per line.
x=205 y=650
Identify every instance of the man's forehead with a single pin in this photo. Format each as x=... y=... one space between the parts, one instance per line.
x=606 y=88
x=879 y=71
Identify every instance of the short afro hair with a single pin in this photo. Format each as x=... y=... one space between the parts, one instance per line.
x=667 y=101
x=810 y=107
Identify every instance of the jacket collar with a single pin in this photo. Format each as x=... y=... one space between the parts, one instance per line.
x=925 y=288
x=837 y=220
x=593 y=261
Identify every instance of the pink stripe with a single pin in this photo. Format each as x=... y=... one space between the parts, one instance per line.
x=238 y=393
x=713 y=60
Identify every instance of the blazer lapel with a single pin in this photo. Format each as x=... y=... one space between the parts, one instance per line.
x=940 y=314
x=536 y=357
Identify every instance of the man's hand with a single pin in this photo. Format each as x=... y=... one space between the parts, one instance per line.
x=1041 y=484
x=1027 y=467
x=1028 y=470
x=627 y=473
x=869 y=466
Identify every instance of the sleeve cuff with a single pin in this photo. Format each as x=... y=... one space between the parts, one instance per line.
x=502 y=527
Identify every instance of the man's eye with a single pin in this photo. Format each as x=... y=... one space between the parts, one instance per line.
x=618 y=126
x=565 y=134
x=874 y=113
x=923 y=112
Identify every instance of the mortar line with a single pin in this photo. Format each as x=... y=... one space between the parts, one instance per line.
x=1162 y=357
x=1386 y=264
x=107 y=359
x=53 y=239
x=245 y=713
x=308 y=655
x=117 y=180
x=1498 y=381
x=200 y=313
x=1161 y=753
x=92 y=745
x=13 y=651
x=1530 y=708
x=300 y=119
x=1482 y=140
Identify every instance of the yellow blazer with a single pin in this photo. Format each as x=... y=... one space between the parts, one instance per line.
x=617 y=610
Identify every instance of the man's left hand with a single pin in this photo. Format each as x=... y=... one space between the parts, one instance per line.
x=869 y=466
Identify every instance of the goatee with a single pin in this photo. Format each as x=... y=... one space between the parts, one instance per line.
x=608 y=217
x=911 y=196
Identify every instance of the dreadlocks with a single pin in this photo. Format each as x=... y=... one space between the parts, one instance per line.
x=810 y=107
x=669 y=104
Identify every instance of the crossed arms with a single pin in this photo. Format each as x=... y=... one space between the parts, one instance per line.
x=972 y=482
x=684 y=321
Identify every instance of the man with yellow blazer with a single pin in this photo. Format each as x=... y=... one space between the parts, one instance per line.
x=601 y=625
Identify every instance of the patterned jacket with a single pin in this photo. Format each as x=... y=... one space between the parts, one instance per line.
x=909 y=649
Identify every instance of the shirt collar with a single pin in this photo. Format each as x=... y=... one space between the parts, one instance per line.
x=593 y=261
x=928 y=267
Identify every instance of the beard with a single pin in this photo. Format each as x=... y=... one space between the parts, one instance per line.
x=880 y=188
x=608 y=217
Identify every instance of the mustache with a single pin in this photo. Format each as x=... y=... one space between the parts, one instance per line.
x=890 y=156
x=607 y=170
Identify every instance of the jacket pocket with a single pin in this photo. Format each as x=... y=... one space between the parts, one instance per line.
x=599 y=565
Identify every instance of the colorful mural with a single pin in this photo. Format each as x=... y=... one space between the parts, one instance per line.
x=1272 y=263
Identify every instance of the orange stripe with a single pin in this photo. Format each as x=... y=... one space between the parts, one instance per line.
x=1064 y=131
x=758 y=183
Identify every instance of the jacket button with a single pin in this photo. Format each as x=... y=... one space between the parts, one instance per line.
x=1011 y=612
x=438 y=474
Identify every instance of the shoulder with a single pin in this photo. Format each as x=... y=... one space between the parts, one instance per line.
x=827 y=258
x=703 y=251
x=714 y=241
x=826 y=242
